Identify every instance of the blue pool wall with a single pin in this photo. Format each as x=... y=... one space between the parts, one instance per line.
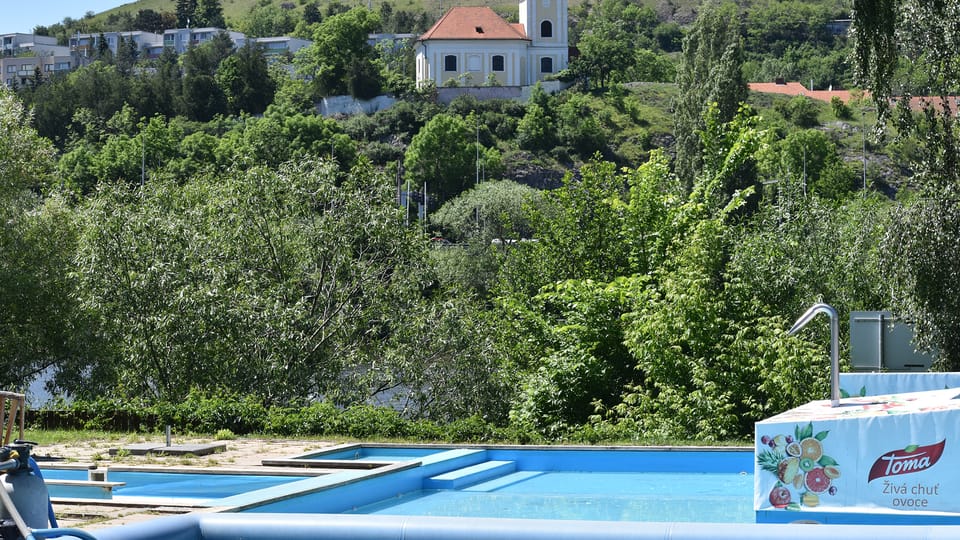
x=361 y=452
x=311 y=496
x=353 y=527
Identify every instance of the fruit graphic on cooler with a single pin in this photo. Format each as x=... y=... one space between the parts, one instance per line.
x=811 y=448
x=804 y=473
x=788 y=469
x=817 y=480
x=780 y=497
x=810 y=499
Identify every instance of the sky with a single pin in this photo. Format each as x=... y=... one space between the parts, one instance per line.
x=20 y=16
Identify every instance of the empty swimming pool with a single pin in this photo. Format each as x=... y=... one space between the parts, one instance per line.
x=547 y=483
x=690 y=483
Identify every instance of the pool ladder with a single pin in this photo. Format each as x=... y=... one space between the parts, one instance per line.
x=834 y=345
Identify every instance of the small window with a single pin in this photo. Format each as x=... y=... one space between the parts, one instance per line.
x=546 y=29
x=11 y=68
x=497 y=63
x=546 y=65
x=450 y=62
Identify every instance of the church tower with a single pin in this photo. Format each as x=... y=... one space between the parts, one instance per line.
x=545 y=24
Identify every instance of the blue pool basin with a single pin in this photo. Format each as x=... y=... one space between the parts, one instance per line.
x=375 y=504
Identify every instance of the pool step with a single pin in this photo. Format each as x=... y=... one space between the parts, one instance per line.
x=504 y=481
x=473 y=474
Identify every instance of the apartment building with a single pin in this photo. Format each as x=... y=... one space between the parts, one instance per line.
x=25 y=56
x=22 y=54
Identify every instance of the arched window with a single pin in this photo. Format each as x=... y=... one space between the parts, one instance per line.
x=546 y=29
x=450 y=63
x=546 y=65
x=497 y=62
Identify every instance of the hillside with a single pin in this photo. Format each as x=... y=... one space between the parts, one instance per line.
x=681 y=11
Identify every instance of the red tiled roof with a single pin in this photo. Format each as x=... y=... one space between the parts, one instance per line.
x=917 y=103
x=473 y=23
x=797 y=89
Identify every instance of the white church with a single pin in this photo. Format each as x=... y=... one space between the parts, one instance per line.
x=471 y=44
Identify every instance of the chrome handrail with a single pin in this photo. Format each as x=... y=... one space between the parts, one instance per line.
x=834 y=345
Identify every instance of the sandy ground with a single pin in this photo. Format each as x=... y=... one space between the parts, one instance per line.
x=239 y=454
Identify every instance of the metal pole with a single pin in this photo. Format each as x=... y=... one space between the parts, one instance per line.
x=863 y=143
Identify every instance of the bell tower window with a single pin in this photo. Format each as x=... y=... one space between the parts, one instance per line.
x=546 y=29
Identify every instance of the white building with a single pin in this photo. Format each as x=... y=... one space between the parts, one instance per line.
x=473 y=44
x=86 y=45
x=281 y=47
x=22 y=55
x=181 y=39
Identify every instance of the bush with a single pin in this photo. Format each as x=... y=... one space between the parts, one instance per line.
x=840 y=109
x=366 y=421
x=800 y=110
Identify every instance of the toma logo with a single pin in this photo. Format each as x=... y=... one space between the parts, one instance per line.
x=911 y=459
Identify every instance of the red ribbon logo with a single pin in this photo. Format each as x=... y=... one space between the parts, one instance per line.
x=909 y=460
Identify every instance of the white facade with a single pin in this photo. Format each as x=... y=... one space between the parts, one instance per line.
x=474 y=62
x=86 y=45
x=23 y=55
x=471 y=48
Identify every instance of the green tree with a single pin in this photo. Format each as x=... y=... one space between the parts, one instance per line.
x=311 y=13
x=127 y=54
x=266 y=20
x=98 y=87
x=669 y=37
x=441 y=158
x=709 y=72
x=605 y=51
x=578 y=127
x=209 y=13
x=340 y=60
x=280 y=284
x=495 y=210
x=607 y=37
x=246 y=81
x=103 y=53
x=800 y=110
x=579 y=231
x=923 y=37
x=159 y=90
x=809 y=156
x=704 y=346
x=186 y=10
x=149 y=20
x=202 y=97
x=43 y=327
x=482 y=221
x=536 y=130
x=651 y=67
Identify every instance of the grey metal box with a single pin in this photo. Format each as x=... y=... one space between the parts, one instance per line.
x=881 y=342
